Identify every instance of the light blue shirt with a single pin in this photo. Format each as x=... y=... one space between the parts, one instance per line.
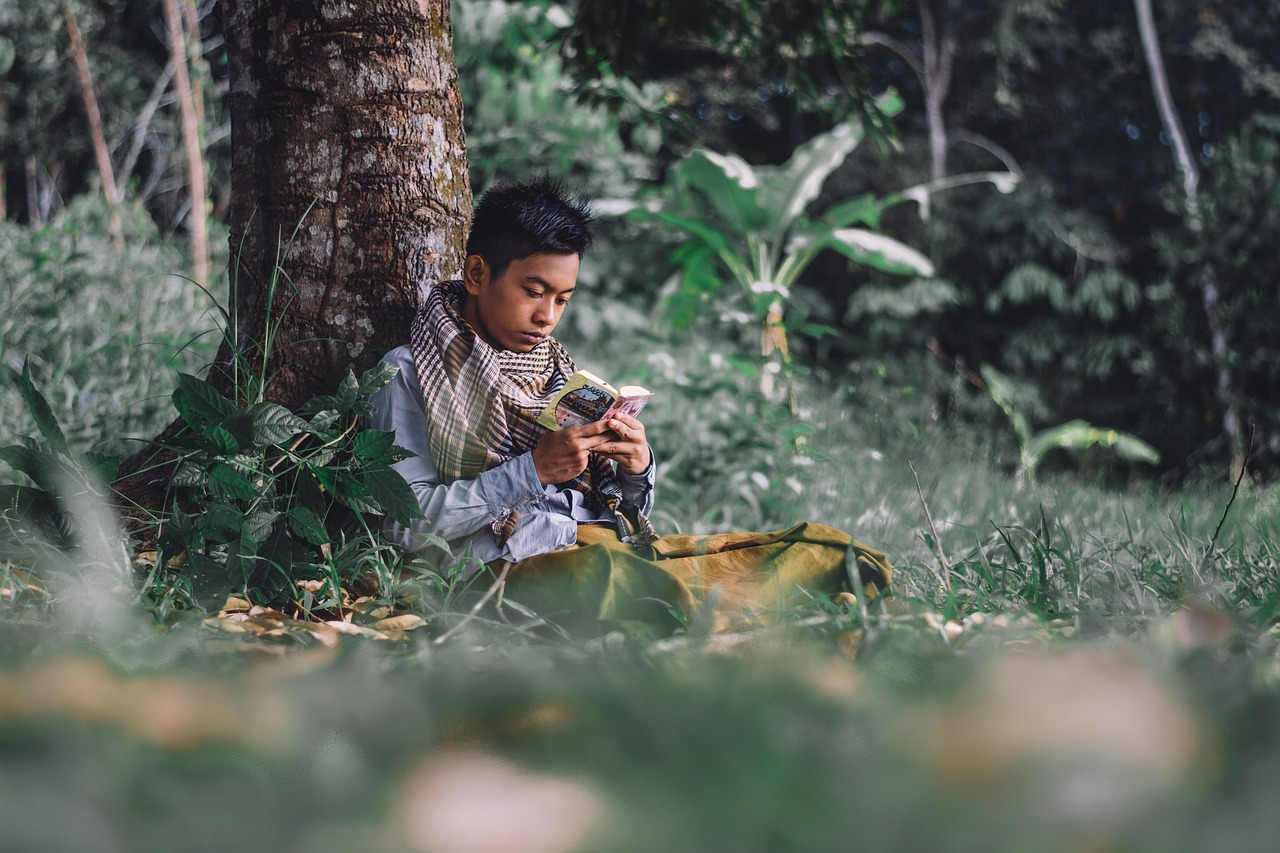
x=463 y=512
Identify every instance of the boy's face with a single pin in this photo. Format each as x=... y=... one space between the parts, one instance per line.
x=518 y=309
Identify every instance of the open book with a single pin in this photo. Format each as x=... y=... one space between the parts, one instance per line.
x=586 y=397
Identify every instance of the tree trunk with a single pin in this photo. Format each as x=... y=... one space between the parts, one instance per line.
x=197 y=224
x=96 y=135
x=939 y=59
x=1190 y=185
x=350 y=192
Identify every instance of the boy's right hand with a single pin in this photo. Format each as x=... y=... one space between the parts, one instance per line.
x=562 y=454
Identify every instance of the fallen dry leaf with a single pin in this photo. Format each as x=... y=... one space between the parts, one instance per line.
x=404 y=622
x=473 y=802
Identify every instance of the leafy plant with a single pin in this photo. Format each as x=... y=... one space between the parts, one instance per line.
x=748 y=224
x=260 y=492
x=1073 y=435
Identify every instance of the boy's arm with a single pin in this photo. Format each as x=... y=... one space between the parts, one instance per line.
x=463 y=507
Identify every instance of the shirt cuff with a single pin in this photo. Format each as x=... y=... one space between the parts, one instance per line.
x=511 y=485
x=636 y=487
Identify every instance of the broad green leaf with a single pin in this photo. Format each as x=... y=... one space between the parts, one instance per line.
x=43 y=468
x=224 y=443
x=241 y=558
x=201 y=398
x=377 y=376
x=187 y=475
x=100 y=466
x=308 y=525
x=372 y=444
x=729 y=183
x=226 y=482
x=1079 y=435
x=273 y=424
x=261 y=522
x=38 y=406
x=27 y=502
x=787 y=190
x=323 y=419
x=865 y=210
x=1003 y=391
x=880 y=252
x=220 y=523
x=708 y=235
x=391 y=491
x=348 y=392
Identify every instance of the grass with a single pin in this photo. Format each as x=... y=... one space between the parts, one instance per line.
x=1097 y=677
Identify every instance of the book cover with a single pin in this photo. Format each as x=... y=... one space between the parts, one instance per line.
x=586 y=397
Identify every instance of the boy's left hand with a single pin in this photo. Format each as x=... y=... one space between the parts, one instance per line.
x=630 y=449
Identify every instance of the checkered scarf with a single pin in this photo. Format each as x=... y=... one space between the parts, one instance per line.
x=481 y=404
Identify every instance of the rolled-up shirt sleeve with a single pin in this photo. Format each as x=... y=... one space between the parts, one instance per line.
x=451 y=511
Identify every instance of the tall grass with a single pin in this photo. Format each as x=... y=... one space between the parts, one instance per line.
x=106 y=330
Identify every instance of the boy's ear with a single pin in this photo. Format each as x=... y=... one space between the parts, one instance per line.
x=474 y=273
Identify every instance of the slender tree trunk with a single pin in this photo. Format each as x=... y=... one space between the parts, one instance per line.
x=33 y=197
x=1190 y=184
x=96 y=135
x=350 y=192
x=198 y=227
x=939 y=59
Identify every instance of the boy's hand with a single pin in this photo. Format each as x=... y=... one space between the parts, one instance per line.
x=562 y=454
x=626 y=445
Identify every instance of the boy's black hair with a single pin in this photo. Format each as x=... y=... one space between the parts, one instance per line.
x=516 y=220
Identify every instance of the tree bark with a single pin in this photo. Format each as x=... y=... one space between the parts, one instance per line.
x=197 y=224
x=349 y=164
x=96 y=135
x=350 y=192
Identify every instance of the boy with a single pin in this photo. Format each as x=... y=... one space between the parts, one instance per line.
x=481 y=365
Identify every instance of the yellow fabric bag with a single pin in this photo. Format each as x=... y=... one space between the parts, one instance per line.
x=602 y=583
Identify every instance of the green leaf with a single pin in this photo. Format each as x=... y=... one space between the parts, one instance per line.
x=100 y=466
x=45 y=420
x=706 y=233
x=43 y=468
x=226 y=482
x=273 y=424
x=786 y=191
x=199 y=403
x=880 y=252
x=187 y=475
x=308 y=525
x=729 y=183
x=372 y=444
x=394 y=494
x=223 y=442
x=377 y=376
x=27 y=502
x=220 y=523
x=1004 y=392
x=261 y=522
x=1079 y=435
x=241 y=558
x=348 y=392
x=864 y=209
x=322 y=421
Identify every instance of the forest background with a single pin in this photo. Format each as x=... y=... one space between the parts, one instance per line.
x=1085 y=286
x=1034 y=385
